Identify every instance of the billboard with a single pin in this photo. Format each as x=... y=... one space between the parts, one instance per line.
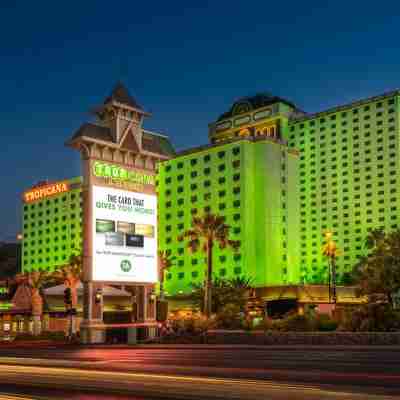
x=124 y=236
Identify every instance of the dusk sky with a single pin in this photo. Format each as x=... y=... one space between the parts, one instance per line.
x=185 y=64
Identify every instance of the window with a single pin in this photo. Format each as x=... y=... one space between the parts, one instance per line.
x=236 y=164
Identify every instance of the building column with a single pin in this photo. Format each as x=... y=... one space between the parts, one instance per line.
x=92 y=329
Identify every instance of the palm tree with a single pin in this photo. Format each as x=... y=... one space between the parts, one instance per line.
x=165 y=261
x=207 y=231
x=71 y=275
x=35 y=281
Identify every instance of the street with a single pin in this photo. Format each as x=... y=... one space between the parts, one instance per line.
x=202 y=372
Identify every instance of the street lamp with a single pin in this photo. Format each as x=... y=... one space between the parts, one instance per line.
x=19 y=238
x=330 y=251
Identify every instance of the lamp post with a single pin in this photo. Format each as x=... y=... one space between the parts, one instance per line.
x=330 y=251
x=19 y=238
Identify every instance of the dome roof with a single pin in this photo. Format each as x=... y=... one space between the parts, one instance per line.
x=251 y=103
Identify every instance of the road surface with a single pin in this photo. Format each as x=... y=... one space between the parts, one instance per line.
x=202 y=372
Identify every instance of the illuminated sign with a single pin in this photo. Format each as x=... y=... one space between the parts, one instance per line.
x=45 y=191
x=262 y=114
x=222 y=126
x=118 y=173
x=242 y=120
x=124 y=236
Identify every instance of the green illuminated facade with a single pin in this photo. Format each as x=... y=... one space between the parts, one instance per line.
x=348 y=179
x=344 y=179
x=52 y=227
x=252 y=182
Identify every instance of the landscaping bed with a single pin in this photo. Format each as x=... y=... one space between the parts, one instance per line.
x=242 y=337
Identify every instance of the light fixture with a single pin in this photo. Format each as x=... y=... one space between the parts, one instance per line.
x=98 y=296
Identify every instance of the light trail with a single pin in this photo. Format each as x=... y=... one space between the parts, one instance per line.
x=167 y=386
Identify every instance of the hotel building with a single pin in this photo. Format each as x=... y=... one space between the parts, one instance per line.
x=279 y=176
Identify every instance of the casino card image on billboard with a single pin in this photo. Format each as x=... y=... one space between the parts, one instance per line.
x=125 y=227
x=134 y=240
x=104 y=225
x=114 y=239
x=145 y=230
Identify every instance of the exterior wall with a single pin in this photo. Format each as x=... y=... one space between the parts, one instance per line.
x=349 y=160
x=52 y=229
x=245 y=181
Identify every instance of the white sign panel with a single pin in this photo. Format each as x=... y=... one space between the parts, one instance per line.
x=124 y=236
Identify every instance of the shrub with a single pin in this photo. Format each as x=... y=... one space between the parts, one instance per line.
x=295 y=323
x=325 y=323
x=229 y=317
x=372 y=317
x=46 y=335
x=194 y=324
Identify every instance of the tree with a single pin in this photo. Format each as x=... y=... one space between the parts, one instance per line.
x=207 y=231
x=229 y=300
x=35 y=281
x=378 y=273
x=71 y=275
x=165 y=261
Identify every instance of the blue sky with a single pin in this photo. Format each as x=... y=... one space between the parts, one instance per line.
x=184 y=63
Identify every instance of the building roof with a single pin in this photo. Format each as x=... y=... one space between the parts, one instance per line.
x=303 y=117
x=120 y=94
x=237 y=140
x=259 y=100
x=93 y=131
x=156 y=143
x=151 y=141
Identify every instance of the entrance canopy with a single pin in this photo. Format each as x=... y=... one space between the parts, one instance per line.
x=107 y=291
